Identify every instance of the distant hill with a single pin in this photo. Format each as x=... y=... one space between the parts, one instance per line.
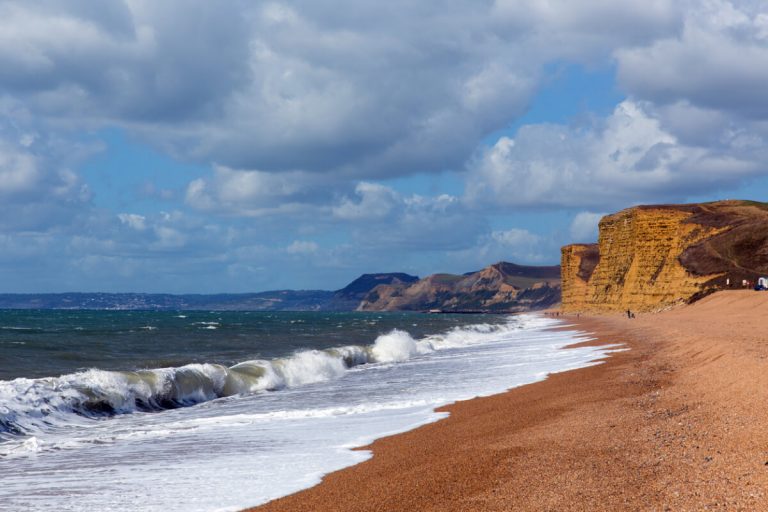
x=346 y=299
x=349 y=297
x=281 y=300
x=358 y=288
x=502 y=287
x=498 y=288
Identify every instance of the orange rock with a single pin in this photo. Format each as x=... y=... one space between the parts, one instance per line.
x=652 y=257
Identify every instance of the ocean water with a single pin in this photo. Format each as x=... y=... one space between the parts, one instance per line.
x=219 y=411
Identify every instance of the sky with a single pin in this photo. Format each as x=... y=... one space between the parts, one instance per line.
x=238 y=146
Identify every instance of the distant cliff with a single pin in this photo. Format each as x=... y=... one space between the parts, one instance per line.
x=502 y=287
x=651 y=257
x=350 y=297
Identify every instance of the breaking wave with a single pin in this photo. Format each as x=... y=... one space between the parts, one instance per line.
x=28 y=406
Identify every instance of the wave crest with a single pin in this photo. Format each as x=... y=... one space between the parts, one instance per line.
x=31 y=405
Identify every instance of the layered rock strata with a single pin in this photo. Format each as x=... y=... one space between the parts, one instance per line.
x=652 y=257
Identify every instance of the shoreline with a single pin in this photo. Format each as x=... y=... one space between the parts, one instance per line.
x=675 y=422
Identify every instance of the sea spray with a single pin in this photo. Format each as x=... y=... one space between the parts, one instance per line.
x=396 y=347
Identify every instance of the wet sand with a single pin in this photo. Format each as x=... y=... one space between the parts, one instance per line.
x=679 y=422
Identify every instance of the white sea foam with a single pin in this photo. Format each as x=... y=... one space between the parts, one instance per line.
x=30 y=405
x=254 y=445
x=396 y=347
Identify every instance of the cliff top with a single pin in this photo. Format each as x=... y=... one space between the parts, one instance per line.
x=714 y=214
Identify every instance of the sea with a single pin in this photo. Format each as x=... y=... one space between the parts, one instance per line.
x=217 y=411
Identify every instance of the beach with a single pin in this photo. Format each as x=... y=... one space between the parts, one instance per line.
x=677 y=422
x=297 y=409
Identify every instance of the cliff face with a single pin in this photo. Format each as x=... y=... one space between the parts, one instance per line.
x=499 y=287
x=650 y=257
x=578 y=262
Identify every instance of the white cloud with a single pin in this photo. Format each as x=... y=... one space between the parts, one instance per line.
x=18 y=170
x=356 y=89
x=133 y=220
x=584 y=227
x=588 y=28
x=303 y=110
x=375 y=201
x=628 y=157
x=256 y=193
x=302 y=247
x=38 y=187
x=719 y=61
x=168 y=238
x=514 y=245
x=515 y=238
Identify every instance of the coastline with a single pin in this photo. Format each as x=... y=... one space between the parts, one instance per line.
x=676 y=422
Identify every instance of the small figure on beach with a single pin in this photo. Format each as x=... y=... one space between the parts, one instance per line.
x=629 y=314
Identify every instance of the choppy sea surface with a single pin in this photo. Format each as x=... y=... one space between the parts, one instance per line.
x=213 y=411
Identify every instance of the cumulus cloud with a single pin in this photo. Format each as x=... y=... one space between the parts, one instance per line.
x=303 y=110
x=373 y=201
x=18 y=170
x=627 y=158
x=381 y=217
x=718 y=61
x=592 y=28
x=316 y=96
x=133 y=220
x=127 y=62
x=256 y=193
x=358 y=89
x=515 y=238
x=38 y=187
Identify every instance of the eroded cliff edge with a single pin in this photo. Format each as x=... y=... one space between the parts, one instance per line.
x=651 y=257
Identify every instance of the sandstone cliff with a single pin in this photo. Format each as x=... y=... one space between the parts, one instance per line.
x=499 y=287
x=651 y=257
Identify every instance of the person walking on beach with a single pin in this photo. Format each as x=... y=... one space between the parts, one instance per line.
x=629 y=314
